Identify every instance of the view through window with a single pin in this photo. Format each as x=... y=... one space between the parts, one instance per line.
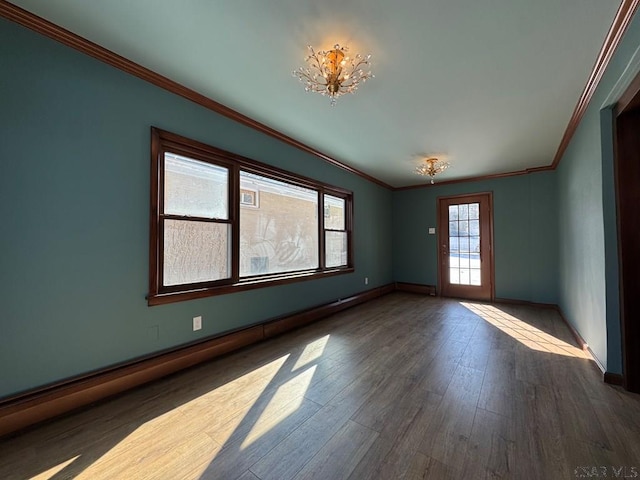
x=196 y=227
x=222 y=223
x=281 y=234
x=464 y=244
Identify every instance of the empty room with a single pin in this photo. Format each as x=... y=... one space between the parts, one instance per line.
x=319 y=240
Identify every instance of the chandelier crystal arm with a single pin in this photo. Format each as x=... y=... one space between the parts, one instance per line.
x=431 y=167
x=304 y=73
x=357 y=75
x=310 y=81
x=313 y=56
x=340 y=74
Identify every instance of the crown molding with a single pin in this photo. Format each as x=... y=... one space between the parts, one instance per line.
x=619 y=26
x=617 y=95
x=29 y=20
x=70 y=39
x=629 y=99
x=493 y=176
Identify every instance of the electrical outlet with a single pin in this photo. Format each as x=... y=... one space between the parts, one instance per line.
x=366 y=280
x=197 y=323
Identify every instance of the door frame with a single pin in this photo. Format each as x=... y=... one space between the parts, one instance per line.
x=627 y=179
x=439 y=226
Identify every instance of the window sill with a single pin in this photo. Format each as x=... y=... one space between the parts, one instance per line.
x=165 y=298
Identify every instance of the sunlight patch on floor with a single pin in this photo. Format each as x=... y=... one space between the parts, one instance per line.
x=251 y=383
x=312 y=351
x=158 y=457
x=168 y=437
x=225 y=408
x=241 y=411
x=526 y=334
x=163 y=441
x=286 y=400
x=51 y=473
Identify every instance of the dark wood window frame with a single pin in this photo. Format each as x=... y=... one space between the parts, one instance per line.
x=348 y=212
x=165 y=142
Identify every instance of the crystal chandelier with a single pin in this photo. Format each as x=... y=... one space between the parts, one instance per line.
x=332 y=73
x=432 y=167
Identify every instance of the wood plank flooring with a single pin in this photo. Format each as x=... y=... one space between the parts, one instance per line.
x=405 y=386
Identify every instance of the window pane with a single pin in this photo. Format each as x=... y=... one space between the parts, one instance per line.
x=474 y=211
x=453 y=244
x=334 y=213
x=453 y=229
x=453 y=212
x=336 y=249
x=454 y=260
x=474 y=227
x=475 y=277
x=474 y=244
x=454 y=275
x=248 y=197
x=464 y=211
x=464 y=244
x=463 y=227
x=195 y=252
x=464 y=260
x=464 y=276
x=195 y=188
x=280 y=234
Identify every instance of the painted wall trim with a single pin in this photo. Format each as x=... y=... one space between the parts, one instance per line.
x=583 y=344
x=611 y=241
x=581 y=341
x=26 y=409
x=55 y=32
x=40 y=25
x=624 y=82
x=629 y=98
x=619 y=26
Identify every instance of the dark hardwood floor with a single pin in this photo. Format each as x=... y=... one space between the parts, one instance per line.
x=405 y=386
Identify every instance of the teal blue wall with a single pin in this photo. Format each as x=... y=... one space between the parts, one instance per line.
x=525 y=233
x=74 y=207
x=74 y=204
x=588 y=292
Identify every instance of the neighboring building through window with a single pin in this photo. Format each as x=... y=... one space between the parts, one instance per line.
x=248 y=197
x=222 y=223
x=283 y=230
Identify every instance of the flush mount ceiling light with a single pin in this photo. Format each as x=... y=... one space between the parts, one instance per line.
x=431 y=167
x=332 y=73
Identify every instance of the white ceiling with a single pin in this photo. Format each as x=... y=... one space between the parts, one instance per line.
x=489 y=84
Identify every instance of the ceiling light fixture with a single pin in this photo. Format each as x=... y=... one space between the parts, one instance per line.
x=332 y=73
x=431 y=167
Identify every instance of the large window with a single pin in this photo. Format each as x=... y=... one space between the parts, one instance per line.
x=195 y=221
x=222 y=223
x=281 y=234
